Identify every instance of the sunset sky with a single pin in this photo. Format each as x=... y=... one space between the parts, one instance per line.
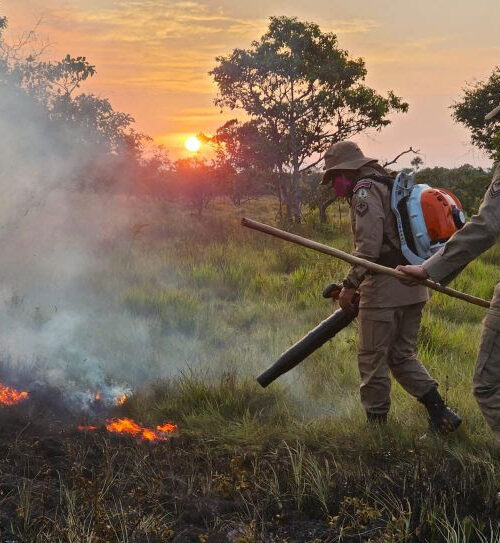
x=153 y=56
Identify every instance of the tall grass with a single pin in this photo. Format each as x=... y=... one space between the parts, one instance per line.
x=228 y=299
x=225 y=302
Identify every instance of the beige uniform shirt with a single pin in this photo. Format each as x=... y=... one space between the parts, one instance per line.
x=375 y=234
x=478 y=235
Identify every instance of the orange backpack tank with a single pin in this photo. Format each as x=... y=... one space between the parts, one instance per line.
x=426 y=217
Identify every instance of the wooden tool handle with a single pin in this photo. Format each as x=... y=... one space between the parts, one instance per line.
x=356 y=261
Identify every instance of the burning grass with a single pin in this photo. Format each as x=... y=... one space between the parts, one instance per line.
x=11 y=396
x=129 y=427
x=126 y=426
x=219 y=479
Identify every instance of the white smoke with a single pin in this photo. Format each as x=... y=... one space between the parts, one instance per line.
x=56 y=328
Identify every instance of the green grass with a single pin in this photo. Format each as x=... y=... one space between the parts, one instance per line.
x=224 y=302
x=243 y=297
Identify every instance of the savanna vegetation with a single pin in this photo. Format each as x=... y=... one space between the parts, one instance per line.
x=295 y=462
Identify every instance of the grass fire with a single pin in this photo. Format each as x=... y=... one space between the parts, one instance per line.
x=11 y=396
x=129 y=427
x=154 y=386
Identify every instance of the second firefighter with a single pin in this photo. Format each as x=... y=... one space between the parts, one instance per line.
x=389 y=311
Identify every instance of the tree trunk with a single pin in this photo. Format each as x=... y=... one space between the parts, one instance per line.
x=295 y=176
x=295 y=194
x=287 y=195
x=323 y=206
x=280 y=197
x=288 y=206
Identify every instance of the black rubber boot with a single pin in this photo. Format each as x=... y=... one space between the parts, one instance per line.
x=376 y=418
x=442 y=419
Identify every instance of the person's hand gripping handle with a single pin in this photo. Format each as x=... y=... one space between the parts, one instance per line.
x=415 y=273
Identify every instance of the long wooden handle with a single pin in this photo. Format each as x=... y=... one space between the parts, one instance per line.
x=356 y=261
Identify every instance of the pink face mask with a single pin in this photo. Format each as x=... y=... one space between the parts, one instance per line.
x=342 y=186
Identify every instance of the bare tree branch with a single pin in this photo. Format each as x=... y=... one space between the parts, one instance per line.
x=27 y=45
x=394 y=160
x=312 y=165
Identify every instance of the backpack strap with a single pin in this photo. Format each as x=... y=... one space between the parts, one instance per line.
x=394 y=257
x=386 y=180
x=367 y=182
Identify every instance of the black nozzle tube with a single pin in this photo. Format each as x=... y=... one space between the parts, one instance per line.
x=312 y=341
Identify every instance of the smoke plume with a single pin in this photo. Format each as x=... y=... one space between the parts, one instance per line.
x=56 y=328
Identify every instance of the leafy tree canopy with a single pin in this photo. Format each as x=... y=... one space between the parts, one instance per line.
x=479 y=99
x=55 y=85
x=297 y=77
x=303 y=90
x=83 y=129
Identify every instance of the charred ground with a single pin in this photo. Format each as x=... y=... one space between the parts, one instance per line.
x=248 y=470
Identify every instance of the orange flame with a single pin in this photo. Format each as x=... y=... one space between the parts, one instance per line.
x=125 y=426
x=121 y=399
x=11 y=396
x=86 y=428
x=167 y=427
x=97 y=396
x=129 y=426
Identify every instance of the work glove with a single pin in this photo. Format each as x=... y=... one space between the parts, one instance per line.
x=349 y=299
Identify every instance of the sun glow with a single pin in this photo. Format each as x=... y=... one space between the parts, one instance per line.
x=193 y=144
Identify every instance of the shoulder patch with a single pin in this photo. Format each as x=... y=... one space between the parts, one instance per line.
x=362 y=193
x=361 y=209
x=495 y=188
x=363 y=184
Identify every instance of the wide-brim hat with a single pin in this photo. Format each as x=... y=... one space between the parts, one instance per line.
x=492 y=114
x=344 y=155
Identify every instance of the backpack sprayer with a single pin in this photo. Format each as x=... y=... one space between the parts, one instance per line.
x=426 y=218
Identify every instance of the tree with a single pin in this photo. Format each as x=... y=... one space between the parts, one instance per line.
x=194 y=181
x=245 y=160
x=417 y=163
x=477 y=100
x=56 y=86
x=317 y=196
x=52 y=83
x=304 y=93
x=85 y=125
x=155 y=172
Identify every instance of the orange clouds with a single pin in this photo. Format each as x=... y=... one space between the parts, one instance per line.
x=153 y=56
x=352 y=26
x=154 y=44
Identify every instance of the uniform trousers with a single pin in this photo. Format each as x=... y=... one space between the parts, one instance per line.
x=388 y=338
x=486 y=380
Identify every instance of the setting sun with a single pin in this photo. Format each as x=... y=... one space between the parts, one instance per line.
x=193 y=144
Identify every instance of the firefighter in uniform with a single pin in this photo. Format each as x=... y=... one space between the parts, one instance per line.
x=389 y=311
x=478 y=235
